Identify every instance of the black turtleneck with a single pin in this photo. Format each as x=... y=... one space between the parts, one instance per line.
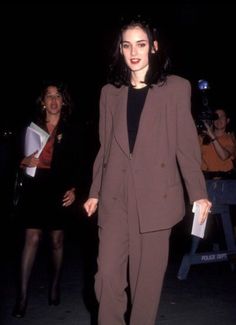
x=135 y=104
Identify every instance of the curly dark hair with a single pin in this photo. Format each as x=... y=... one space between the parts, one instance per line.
x=159 y=62
x=66 y=97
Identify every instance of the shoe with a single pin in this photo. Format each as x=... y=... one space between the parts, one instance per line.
x=54 y=298
x=56 y=301
x=19 y=309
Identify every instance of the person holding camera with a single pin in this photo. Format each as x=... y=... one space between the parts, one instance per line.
x=218 y=146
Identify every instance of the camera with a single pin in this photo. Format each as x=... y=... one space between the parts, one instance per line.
x=206 y=114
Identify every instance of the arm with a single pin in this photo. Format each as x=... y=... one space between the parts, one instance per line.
x=105 y=123
x=205 y=207
x=98 y=163
x=29 y=161
x=69 y=197
x=188 y=154
x=90 y=206
x=224 y=152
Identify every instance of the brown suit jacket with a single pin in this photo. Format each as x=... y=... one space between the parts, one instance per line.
x=166 y=143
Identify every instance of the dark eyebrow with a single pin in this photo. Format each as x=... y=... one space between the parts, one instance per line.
x=139 y=41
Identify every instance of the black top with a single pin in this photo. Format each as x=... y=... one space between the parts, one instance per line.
x=136 y=100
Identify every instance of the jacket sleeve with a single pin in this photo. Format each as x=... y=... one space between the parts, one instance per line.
x=188 y=147
x=105 y=123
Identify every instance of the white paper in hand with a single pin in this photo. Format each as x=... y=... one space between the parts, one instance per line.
x=197 y=229
x=43 y=135
x=35 y=140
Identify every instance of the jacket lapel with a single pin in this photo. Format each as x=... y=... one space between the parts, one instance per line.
x=150 y=118
x=151 y=114
x=120 y=120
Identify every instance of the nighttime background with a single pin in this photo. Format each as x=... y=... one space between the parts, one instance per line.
x=72 y=42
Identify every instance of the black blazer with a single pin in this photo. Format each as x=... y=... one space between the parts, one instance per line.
x=67 y=165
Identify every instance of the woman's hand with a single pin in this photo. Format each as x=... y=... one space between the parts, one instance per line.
x=30 y=161
x=68 y=198
x=90 y=206
x=209 y=130
x=205 y=209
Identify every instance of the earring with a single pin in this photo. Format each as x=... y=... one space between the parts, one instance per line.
x=44 y=107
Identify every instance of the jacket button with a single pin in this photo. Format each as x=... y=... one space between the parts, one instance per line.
x=162 y=165
x=165 y=196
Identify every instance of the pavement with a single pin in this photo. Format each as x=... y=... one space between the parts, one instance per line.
x=207 y=296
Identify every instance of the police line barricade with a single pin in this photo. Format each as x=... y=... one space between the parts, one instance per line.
x=222 y=194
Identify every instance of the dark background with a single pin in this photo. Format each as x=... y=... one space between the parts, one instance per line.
x=72 y=42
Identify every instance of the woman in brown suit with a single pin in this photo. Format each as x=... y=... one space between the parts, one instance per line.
x=146 y=127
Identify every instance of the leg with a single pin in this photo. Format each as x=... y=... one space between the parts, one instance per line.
x=57 y=240
x=148 y=257
x=111 y=278
x=147 y=271
x=32 y=238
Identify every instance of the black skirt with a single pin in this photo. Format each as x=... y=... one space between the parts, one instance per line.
x=40 y=203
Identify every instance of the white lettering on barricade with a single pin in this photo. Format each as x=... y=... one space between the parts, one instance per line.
x=212 y=257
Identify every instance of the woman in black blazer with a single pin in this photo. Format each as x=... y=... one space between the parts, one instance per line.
x=46 y=197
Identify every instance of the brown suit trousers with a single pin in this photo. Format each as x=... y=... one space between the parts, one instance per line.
x=147 y=253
